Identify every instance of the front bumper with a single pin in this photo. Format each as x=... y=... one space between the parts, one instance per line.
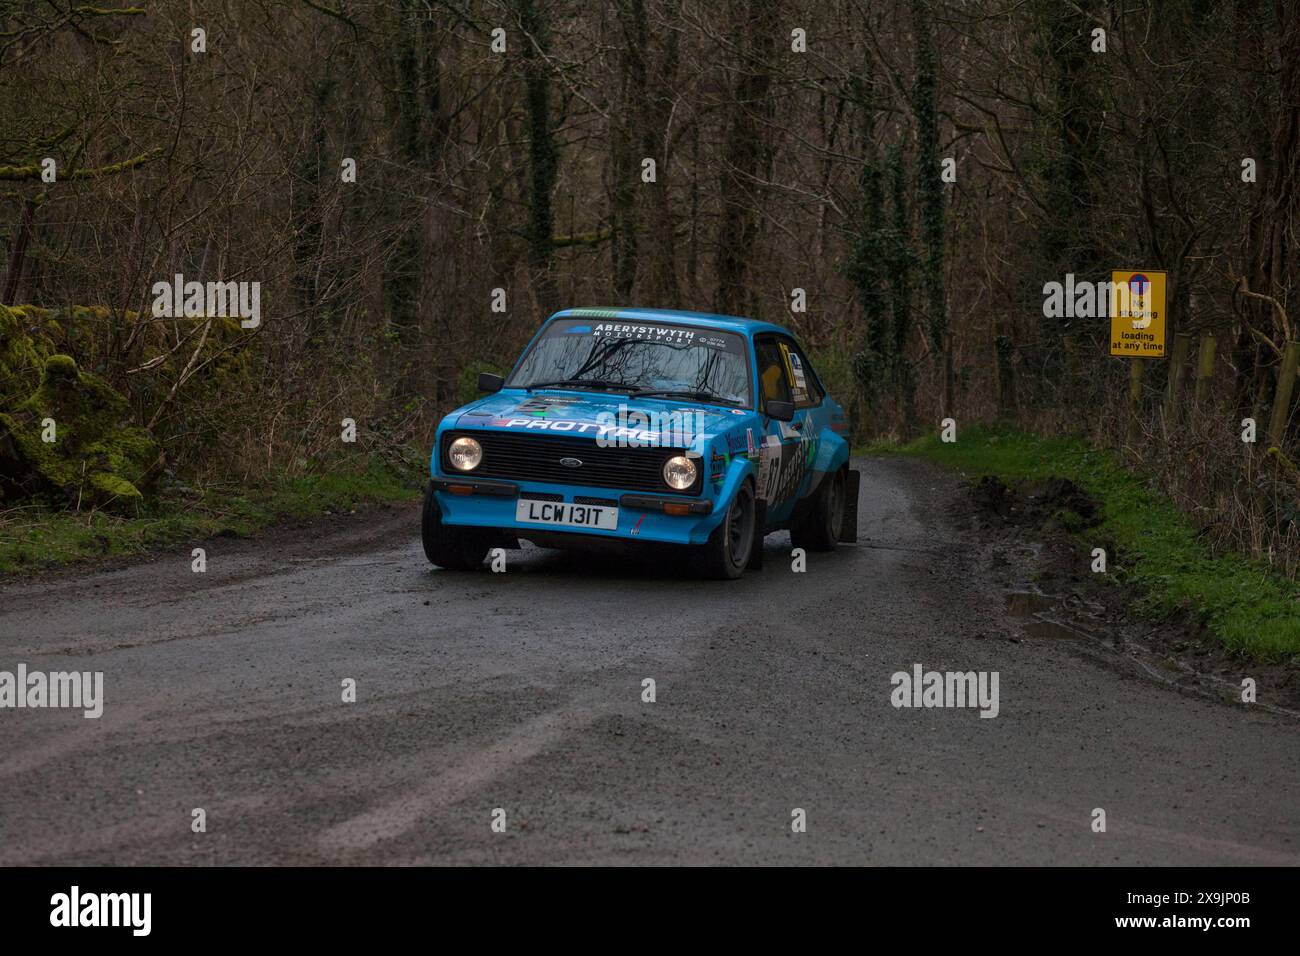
x=490 y=503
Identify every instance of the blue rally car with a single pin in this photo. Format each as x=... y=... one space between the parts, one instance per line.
x=623 y=428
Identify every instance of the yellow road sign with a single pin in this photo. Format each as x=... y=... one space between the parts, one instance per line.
x=1137 y=313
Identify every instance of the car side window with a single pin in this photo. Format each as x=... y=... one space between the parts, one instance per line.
x=772 y=382
x=805 y=388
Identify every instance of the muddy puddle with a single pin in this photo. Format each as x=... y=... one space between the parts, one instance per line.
x=1056 y=617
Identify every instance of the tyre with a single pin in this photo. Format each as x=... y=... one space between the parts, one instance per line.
x=726 y=553
x=819 y=529
x=458 y=549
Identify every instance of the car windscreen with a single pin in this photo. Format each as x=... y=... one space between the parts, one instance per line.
x=637 y=356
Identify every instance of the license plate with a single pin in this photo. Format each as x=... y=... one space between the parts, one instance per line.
x=531 y=511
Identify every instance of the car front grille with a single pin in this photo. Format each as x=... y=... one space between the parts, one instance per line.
x=524 y=457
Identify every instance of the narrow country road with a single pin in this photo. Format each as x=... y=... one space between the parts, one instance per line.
x=523 y=691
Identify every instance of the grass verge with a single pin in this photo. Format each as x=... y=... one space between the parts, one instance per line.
x=34 y=538
x=1248 y=606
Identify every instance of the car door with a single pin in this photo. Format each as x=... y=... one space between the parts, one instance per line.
x=811 y=409
x=783 y=459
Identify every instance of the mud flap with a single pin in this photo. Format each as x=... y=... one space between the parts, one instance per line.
x=755 y=562
x=849 y=526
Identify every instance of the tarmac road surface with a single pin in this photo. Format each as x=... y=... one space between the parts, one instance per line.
x=523 y=691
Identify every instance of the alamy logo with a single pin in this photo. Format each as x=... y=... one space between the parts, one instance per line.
x=639 y=428
x=923 y=688
x=1092 y=300
x=103 y=909
x=200 y=300
x=74 y=689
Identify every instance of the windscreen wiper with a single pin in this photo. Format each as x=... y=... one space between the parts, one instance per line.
x=699 y=394
x=580 y=383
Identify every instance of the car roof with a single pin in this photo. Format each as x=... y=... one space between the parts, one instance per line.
x=710 y=320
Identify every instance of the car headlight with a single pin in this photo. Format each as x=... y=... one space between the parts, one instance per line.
x=465 y=454
x=679 y=472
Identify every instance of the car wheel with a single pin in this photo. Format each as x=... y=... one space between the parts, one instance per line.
x=456 y=549
x=727 y=551
x=819 y=530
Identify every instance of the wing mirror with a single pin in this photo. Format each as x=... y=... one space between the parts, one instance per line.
x=487 y=382
x=781 y=411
